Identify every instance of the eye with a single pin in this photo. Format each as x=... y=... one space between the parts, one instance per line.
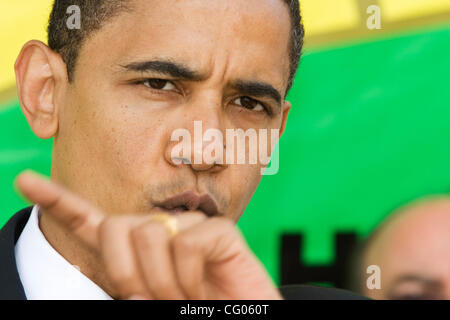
x=159 y=84
x=249 y=103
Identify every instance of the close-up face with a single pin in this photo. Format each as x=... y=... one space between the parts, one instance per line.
x=159 y=67
x=142 y=129
x=413 y=253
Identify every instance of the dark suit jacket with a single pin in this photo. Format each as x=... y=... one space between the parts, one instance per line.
x=11 y=288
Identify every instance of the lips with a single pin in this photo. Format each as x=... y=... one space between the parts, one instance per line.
x=190 y=201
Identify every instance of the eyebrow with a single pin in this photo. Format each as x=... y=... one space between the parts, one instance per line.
x=258 y=89
x=181 y=71
x=415 y=278
x=170 y=68
x=424 y=282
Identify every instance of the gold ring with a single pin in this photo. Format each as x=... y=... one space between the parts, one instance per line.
x=171 y=223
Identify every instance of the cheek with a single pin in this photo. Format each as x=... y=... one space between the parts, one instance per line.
x=244 y=180
x=125 y=142
x=135 y=143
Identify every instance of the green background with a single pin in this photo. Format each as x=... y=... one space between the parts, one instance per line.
x=369 y=130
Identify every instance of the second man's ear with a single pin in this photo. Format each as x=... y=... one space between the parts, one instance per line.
x=39 y=73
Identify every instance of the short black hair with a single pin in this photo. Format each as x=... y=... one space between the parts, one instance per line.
x=67 y=42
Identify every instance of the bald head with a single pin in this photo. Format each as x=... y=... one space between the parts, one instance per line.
x=412 y=249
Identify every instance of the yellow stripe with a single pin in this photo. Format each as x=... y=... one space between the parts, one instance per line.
x=322 y=16
x=23 y=20
x=394 y=10
x=20 y=21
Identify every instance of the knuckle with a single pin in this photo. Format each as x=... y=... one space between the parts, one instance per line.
x=121 y=279
x=104 y=231
x=110 y=225
x=148 y=234
x=105 y=226
x=123 y=282
x=139 y=233
x=184 y=243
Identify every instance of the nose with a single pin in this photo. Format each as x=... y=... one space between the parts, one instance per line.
x=199 y=141
x=207 y=147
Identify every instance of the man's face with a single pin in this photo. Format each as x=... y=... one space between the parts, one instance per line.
x=158 y=68
x=413 y=253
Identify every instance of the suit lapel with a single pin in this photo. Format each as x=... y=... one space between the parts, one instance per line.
x=10 y=285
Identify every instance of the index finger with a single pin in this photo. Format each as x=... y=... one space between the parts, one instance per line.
x=76 y=214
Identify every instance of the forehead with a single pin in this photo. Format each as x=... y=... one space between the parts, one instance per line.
x=417 y=242
x=243 y=38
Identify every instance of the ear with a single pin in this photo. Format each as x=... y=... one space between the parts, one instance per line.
x=286 y=109
x=40 y=75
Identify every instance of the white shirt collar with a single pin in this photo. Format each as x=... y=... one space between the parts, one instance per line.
x=45 y=274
